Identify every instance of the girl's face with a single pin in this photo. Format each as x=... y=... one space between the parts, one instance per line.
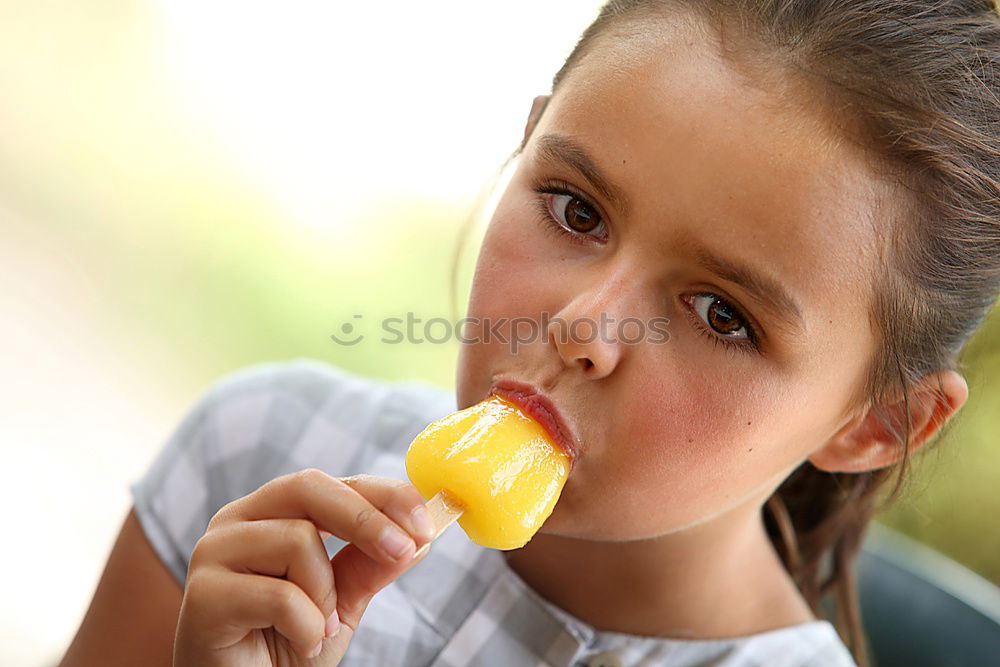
x=663 y=181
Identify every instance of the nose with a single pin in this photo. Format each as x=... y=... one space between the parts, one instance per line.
x=585 y=332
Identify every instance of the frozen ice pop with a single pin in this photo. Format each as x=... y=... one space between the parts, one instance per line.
x=494 y=467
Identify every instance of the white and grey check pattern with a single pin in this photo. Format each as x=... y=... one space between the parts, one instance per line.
x=459 y=607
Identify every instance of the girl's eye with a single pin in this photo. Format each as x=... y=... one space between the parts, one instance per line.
x=569 y=213
x=727 y=324
x=573 y=213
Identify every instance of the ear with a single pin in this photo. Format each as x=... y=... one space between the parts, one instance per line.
x=868 y=441
x=537 y=107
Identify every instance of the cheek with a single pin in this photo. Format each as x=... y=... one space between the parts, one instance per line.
x=513 y=267
x=708 y=418
x=699 y=442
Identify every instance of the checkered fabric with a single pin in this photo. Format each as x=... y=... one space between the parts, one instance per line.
x=461 y=606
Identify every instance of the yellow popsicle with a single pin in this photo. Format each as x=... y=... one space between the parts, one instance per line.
x=497 y=464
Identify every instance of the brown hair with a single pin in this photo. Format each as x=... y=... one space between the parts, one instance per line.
x=921 y=81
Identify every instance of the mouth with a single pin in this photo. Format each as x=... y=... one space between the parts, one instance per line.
x=540 y=408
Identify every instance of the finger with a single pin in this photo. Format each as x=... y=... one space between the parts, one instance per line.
x=230 y=605
x=329 y=503
x=359 y=578
x=289 y=548
x=399 y=500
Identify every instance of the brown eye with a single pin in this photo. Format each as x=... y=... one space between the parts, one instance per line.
x=720 y=316
x=576 y=215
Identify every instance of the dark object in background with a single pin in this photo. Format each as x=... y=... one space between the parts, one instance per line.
x=922 y=609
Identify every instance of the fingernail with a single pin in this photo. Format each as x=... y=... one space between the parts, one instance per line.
x=394 y=542
x=422 y=522
x=332 y=624
x=316 y=651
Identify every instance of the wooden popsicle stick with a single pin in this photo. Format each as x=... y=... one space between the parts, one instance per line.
x=445 y=510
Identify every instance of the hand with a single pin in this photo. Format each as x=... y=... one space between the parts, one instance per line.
x=260 y=589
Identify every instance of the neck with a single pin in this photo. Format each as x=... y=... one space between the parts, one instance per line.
x=719 y=579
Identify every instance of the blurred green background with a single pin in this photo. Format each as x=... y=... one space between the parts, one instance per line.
x=186 y=189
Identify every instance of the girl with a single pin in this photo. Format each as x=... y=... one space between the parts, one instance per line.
x=809 y=191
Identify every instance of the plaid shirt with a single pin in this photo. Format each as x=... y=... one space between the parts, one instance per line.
x=461 y=606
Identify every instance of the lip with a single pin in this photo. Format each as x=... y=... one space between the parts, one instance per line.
x=540 y=408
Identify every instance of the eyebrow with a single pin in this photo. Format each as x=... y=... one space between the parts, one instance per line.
x=561 y=149
x=764 y=289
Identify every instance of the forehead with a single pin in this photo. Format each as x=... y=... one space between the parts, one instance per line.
x=747 y=162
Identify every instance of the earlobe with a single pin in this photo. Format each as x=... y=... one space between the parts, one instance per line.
x=873 y=440
x=537 y=108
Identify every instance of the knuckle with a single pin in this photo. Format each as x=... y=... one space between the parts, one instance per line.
x=214 y=545
x=214 y=521
x=222 y=516
x=284 y=599
x=299 y=484
x=202 y=552
x=310 y=476
x=301 y=535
